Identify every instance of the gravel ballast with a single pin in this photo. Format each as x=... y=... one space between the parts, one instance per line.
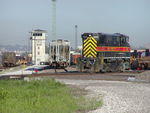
x=117 y=96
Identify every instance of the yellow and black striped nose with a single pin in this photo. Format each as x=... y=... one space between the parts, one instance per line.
x=89 y=47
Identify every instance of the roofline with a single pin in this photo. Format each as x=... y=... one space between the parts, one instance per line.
x=38 y=31
x=114 y=34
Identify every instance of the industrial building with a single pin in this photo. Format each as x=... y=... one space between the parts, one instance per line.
x=38 y=40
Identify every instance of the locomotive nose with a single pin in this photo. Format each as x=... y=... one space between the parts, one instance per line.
x=89 y=47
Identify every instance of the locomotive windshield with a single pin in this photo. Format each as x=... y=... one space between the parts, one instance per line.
x=110 y=40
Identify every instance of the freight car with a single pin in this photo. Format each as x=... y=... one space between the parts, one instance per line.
x=74 y=57
x=8 y=59
x=59 y=53
x=140 y=59
x=104 y=53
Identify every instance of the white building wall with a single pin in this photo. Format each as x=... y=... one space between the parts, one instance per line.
x=38 y=47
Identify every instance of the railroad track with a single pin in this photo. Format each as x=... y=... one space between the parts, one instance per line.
x=76 y=75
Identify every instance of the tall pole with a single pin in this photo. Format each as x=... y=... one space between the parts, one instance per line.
x=54 y=19
x=54 y=26
x=76 y=36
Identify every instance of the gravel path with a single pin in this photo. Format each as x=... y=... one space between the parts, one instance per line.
x=118 y=97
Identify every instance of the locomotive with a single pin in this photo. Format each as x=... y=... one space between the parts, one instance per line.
x=104 y=53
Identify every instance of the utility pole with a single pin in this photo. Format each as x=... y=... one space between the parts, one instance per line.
x=76 y=37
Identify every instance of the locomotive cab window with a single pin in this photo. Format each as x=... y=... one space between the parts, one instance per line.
x=124 y=41
x=115 y=41
x=101 y=41
x=109 y=41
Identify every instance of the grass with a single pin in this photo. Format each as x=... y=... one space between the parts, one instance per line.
x=44 y=96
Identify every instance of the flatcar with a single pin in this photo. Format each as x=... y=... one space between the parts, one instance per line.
x=104 y=53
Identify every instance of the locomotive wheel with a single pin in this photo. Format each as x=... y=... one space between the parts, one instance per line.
x=81 y=67
x=104 y=68
x=97 y=65
x=92 y=70
x=121 y=68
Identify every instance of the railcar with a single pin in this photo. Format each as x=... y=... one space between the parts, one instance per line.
x=59 y=53
x=104 y=53
x=9 y=59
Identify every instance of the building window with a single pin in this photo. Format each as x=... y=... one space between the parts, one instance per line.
x=38 y=47
x=37 y=34
x=39 y=43
x=38 y=53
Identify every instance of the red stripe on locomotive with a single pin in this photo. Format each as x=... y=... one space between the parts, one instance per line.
x=112 y=49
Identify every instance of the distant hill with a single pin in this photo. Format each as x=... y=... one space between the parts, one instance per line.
x=13 y=48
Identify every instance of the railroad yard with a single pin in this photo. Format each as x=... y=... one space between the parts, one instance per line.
x=126 y=92
x=72 y=73
x=92 y=59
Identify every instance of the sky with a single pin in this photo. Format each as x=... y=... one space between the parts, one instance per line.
x=129 y=17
